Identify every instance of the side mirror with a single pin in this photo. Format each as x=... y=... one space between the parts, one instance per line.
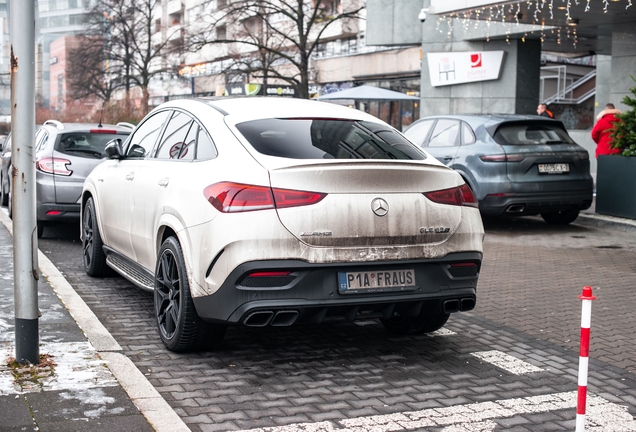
x=114 y=150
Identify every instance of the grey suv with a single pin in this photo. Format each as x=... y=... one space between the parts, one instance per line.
x=65 y=153
x=516 y=165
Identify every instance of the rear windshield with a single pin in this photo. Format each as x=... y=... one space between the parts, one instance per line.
x=531 y=134
x=89 y=145
x=327 y=139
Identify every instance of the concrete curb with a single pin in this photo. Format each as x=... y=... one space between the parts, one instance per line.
x=609 y=222
x=146 y=398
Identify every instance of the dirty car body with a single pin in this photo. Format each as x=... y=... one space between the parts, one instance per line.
x=261 y=211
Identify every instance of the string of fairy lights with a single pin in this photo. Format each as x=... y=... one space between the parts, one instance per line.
x=511 y=13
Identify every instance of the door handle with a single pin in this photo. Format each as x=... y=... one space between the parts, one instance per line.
x=163 y=182
x=447 y=157
x=130 y=176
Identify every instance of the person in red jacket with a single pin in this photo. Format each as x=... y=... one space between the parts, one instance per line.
x=602 y=129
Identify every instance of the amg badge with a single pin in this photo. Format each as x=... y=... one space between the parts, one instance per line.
x=315 y=234
x=434 y=230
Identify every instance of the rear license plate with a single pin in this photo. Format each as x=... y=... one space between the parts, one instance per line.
x=376 y=281
x=554 y=168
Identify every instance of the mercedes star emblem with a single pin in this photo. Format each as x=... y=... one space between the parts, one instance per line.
x=380 y=207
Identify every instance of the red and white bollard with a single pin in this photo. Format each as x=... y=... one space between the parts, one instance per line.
x=586 y=321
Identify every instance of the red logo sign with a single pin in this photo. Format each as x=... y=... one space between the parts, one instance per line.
x=475 y=60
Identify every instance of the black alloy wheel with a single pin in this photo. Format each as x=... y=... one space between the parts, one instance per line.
x=426 y=322
x=562 y=217
x=94 y=256
x=40 y=229
x=179 y=325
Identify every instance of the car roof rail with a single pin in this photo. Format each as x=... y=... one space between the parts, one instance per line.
x=55 y=123
x=126 y=125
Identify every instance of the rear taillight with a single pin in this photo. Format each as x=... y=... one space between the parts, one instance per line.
x=54 y=166
x=502 y=158
x=461 y=196
x=230 y=197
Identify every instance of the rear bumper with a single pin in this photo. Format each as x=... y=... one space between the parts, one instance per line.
x=520 y=204
x=311 y=293
x=52 y=212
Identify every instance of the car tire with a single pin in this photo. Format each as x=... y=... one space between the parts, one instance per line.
x=562 y=217
x=4 y=197
x=40 y=229
x=92 y=245
x=9 y=204
x=180 y=327
x=426 y=322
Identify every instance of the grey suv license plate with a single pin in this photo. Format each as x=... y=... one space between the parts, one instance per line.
x=376 y=281
x=558 y=168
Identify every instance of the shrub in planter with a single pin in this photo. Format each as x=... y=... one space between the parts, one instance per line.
x=616 y=174
x=624 y=132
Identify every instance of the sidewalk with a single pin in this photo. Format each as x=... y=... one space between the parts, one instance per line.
x=84 y=382
x=589 y=217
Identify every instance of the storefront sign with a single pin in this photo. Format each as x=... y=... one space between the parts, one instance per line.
x=450 y=68
x=281 y=90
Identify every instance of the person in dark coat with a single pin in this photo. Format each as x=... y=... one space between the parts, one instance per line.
x=543 y=111
x=602 y=129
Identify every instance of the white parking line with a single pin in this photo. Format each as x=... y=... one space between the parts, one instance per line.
x=602 y=416
x=506 y=362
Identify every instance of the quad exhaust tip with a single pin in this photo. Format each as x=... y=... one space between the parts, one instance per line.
x=276 y=319
x=459 y=305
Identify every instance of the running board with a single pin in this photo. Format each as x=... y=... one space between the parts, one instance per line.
x=133 y=273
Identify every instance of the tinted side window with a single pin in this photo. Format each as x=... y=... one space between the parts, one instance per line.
x=446 y=133
x=327 y=139
x=173 y=143
x=41 y=138
x=418 y=132
x=205 y=147
x=144 y=138
x=468 y=137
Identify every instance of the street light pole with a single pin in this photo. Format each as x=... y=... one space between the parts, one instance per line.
x=25 y=241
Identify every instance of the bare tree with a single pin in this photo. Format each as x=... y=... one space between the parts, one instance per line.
x=274 y=38
x=129 y=46
x=89 y=71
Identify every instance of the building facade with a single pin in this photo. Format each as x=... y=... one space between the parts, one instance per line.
x=5 y=52
x=460 y=30
x=54 y=19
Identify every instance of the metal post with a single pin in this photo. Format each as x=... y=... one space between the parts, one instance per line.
x=25 y=243
x=584 y=353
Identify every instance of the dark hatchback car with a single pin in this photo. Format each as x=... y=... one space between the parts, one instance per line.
x=516 y=165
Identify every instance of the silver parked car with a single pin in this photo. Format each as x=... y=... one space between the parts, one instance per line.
x=65 y=153
x=515 y=165
x=273 y=211
x=5 y=174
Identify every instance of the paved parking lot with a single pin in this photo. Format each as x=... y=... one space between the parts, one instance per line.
x=511 y=364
